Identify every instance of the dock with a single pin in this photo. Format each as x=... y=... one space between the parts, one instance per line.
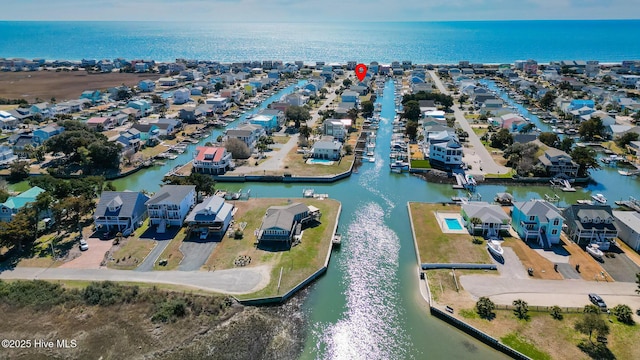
x=632 y=203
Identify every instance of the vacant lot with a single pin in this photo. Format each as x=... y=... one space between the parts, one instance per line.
x=63 y=85
x=297 y=263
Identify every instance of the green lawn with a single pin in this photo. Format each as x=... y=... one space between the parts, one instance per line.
x=19 y=186
x=420 y=164
x=521 y=344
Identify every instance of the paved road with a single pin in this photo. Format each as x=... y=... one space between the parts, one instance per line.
x=478 y=152
x=231 y=281
x=149 y=261
x=195 y=254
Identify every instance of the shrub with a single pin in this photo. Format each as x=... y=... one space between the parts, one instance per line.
x=108 y=293
x=170 y=310
x=238 y=234
x=623 y=313
x=38 y=293
x=485 y=307
x=521 y=309
x=556 y=312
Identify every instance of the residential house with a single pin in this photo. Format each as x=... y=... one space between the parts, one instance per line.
x=168 y=81
x=210 y=218
x=296 y=99
x=512 y=122
x=576 y=104
x=149 y=132
x=21 y=143
x=181 y=96
x=120 y=211
x=628 y=224
x=92 y=95
x=281 y=223
x=327 y=148
x=43 y=109
x=218 y=103
x=492 y=106
x=268 y=122
x=590 y=224
x=44 y=133
x=7 y=121
x=559 y=164
x=491 y=219
x=427 y=105
x=445 y=154
x=248 y=134
x=634 y=147
x=143 y=106
x=6 y=156
x=147 y=85
x=211 y=160
x=170 y=205
x=167 y=127
x=537 y=220
x=14 y=203
x=130 y=140
x=335 y=128
x=350 y=96
x=100 y=123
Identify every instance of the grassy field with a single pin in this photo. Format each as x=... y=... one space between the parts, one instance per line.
x=19 y=186
x=172 y=253
x=130 y=253
x=297 y=263
x=420 y=164
x=297 y=165
x=508 y=175
x=435 y=246
x=281 y=139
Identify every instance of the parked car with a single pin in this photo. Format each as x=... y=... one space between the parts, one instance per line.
x=597 y=300
x=83 y=245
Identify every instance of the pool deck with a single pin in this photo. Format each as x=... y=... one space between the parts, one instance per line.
x=442 y=216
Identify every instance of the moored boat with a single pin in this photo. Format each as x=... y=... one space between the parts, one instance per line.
x=495 y=247
x=594 y=250
x=599 y=198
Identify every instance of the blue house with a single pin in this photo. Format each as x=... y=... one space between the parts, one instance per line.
x=269 y=122
x=257 y=84
x=147 y=85
x=143 y=106
x=580 y=103
x=350 y=96
x=42 y=134
x=93 y=95
x=148 y=132
x=537 y=220
x=14 y=203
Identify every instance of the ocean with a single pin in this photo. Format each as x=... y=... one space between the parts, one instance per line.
x=420 y=42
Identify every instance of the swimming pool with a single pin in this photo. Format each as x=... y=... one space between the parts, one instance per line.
x=453 y=224
x=320 y=161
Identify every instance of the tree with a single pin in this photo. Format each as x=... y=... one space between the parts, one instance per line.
x=521 y=309
x=352 y=114
x=109 y=186
x=237 y=148
x=586 y=158
x=347 y=82
x=367 y=109
x=20 y=229
x=348 y=149
x=204 y=183
x=305 y=132
x=591 y=128
x=411 y=130
x=297 y=113
x=566 y=144
x=501 y=139
x=18 y=171
x=218 y=86
x=623 y=313
x=590 y=324
x=549 y=139
x=556 y=312
x=548 y=100
x=591 y=309
x=485 y=307
x=626 y=139
x=411 y=110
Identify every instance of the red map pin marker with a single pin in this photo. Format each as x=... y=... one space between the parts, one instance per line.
x=361 y=71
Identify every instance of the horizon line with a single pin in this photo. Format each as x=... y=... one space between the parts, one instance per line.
x=317 y=21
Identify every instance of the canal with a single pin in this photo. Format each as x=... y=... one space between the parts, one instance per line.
x=368 y=306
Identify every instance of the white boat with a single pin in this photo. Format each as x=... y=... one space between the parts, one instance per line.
x=594 y=250
x=399 y=164
x=396 y=170
x=599 y=198
x=495 y=247
x=370 y=158
x=587 y=202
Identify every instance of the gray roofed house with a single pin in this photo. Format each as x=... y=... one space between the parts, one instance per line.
x=493 y=220
x=120 y=210
x=558 y=163
x=328 y=149
x=170 y=205
x=211 y=217
x=628 y=223
x=537 y=220
x=591 y=224
x=282 y=223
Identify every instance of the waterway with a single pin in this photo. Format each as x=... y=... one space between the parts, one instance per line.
x=368 y=306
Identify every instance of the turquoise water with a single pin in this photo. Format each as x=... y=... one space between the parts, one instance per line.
x=320 y=161
x=425 y=42
x=453 y=224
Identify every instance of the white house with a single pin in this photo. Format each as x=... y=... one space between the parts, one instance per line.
x=335 y=128
x=211 y=160
x=328 y=149
x=7 y=121
x=628 y=224
x=181 y=96
x=211 y=217
x=170 y=205
x=446 y=154
x=248 y=134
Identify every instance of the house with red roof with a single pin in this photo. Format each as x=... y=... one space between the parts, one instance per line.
x=211 y=160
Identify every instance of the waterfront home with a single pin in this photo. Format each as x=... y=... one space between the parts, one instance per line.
x=511 y=122
x=485 y=219
x=248 y=134
x=6 y=156
x=149 y=132
x=166 y=127
x=211 y=160
x=335 y=128
x=143 y=106
x=210 y=218
x=147 y=85
x=167 y=81
x=634 y=148
x=92 y=95
x=120 y=211
x=445 y=155
x=590 y=224
x=130 y=140
x=421 y=87
x=492 y=106
x=616 y=131
x=47 y=132
x=296 y=99
x=181 y=96
x=281 y=223
x=194 y=114
x=537 y=220
x=350 y=96
x=100 y=123
x=628 y=224
x=559 y=164
x=218 y=102
x=231 y=94
x=13 y=204
x=268 y=122
x=576 y=104
x=7 y=121
x=170 y=205
x=327 y=148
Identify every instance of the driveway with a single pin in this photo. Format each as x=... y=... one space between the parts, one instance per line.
x=91 y=258
x=620 y=267
x=511 y=267
x=231 y=281
x=195 y=254
x=149 y=261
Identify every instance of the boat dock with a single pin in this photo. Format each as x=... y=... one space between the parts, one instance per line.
x=632 y=203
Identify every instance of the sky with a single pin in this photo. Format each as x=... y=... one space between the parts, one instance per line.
x=318 y=10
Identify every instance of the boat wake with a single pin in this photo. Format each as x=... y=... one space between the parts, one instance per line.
x=370 y=327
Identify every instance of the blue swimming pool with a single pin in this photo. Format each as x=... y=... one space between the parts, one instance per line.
x=453 y=224
x=320 y=161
